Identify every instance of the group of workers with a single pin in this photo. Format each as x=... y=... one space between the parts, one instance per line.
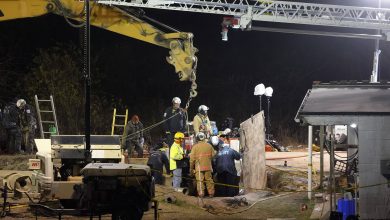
x=210 y=158
x=19 y=122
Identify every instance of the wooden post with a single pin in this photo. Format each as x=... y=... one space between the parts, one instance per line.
x=252 y=140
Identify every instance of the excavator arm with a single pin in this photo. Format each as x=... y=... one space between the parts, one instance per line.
x=181 y=54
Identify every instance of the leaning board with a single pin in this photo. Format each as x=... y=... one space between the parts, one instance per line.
x=252 y=136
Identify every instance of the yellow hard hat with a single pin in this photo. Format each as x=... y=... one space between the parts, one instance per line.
x=179 y=135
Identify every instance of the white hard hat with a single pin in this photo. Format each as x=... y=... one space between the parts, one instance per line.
x=20 y=103
x=200 y=136
x=176 y=100
x=203 y=107
x=226 y=131
x=214 y=140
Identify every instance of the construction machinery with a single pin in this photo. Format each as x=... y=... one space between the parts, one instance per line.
x=106 y=185
x=87 y=173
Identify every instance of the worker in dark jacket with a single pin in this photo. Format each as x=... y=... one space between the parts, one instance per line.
x=11 y=125
x=157 y=160
x=28 y=125
x=226 y=170
x=175 y=120
x=133 y=137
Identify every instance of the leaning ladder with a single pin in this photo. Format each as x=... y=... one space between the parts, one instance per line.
x=47 y=121
x=114 y=121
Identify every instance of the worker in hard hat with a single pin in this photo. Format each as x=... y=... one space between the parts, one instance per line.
x=28 y=125
x=174 y=120
x=12 y=127
x=201 y=122
x=176 y=155
x=200 y=165
x=216 y=142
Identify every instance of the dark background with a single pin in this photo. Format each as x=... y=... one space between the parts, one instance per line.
x=137 y=73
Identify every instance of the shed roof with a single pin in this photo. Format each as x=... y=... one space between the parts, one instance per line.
x=346 y=99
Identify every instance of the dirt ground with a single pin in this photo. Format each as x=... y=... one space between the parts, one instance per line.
x=283 y=205
x=281 y=200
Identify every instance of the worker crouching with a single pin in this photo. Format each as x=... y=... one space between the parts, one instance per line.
x=200 y=165
x=226 y=169
x=156 y=161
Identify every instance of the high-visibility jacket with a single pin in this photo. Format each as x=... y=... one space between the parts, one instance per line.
x=201 y=156
x=175 y=153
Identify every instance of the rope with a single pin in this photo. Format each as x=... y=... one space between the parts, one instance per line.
x=66 y=14
x=130 y=136
x=271 y=190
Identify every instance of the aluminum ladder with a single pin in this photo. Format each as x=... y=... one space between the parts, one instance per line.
x=116 y=118
x=47 y=119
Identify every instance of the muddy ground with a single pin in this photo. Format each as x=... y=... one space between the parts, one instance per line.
x=284 y=198
x=283 y=205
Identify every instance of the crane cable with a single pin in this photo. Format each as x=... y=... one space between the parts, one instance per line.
x=68 y=15
x=192 y=91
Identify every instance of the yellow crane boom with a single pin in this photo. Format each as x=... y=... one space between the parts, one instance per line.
x=181 y=54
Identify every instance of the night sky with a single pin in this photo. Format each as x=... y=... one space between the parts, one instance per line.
x=137 y=72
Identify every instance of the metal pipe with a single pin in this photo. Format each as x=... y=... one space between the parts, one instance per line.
x=322 y=136
x=333 y=188
x=331 y=167
x=87 y=81
x=260 y=103
x=268 y=122
x=310 y=165
x=377 y=52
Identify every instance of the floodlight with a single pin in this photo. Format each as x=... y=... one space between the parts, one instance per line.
x=268 y=91
x=259 y=89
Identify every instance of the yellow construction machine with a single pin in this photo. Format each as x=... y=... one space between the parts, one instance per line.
x=122 y=21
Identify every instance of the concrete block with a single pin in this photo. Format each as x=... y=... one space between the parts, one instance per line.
x=386 y=123
x=372 y=197
x=382 y=212
x=367 y=151
x=370 y=123
x=384 y=149
x=369 y=174
x=365 y=209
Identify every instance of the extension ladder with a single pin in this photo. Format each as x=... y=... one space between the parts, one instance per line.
x=114 y=121
x=48 y=122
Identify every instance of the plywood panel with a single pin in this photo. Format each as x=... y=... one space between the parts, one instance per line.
x=252 y=140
